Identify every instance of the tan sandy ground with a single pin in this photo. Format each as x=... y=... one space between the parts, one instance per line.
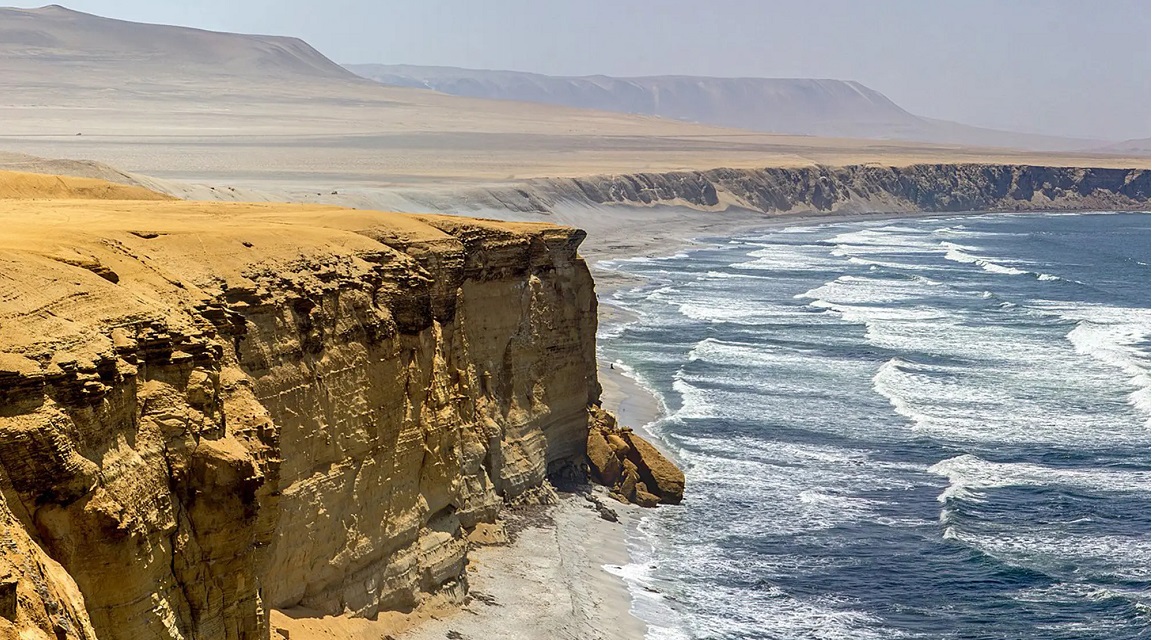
x=345 y=135
x=202 y=106
x=303 y=138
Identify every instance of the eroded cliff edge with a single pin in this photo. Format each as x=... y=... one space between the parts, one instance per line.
x=208 y=410
x=852 y=189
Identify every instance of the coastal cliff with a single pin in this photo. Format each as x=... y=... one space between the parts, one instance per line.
x=208 y=411
x=849 y=189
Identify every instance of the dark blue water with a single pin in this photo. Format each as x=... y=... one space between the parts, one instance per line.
x=926 y=428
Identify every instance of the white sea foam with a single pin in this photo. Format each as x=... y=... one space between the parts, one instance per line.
x=966 y=381
x=608 y=331
x=1051 y=549
x=774 y=259
x=755 y=356
x=959 y=253
x=873 y=264
x=959 y=229
x=1074 y=593
x=798 y=489
x=645 y=259
x=772 y=612
x=1116 y=336
x=975 y=405
x=969 y=476
x=630 y=372
x=1047 y=547
x=724 y=275
x=851 y=289
x=772 y=383
x=662 y=293
x=883 y=385
x=747 y=312
x=888 y=239
x=694 y=402
x=648 y=603
x=890 y=243
x=922 y=328
x=785 y=257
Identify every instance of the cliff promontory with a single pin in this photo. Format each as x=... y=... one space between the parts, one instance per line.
x=209 y=410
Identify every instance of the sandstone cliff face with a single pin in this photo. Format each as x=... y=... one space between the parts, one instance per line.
x=857 y=188
x=209 y=410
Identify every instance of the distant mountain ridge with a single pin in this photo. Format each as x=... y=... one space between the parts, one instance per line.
x=816 y=107
x=189 y=104
x=62 y=36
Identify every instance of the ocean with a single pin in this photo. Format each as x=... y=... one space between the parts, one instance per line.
x=907 y=428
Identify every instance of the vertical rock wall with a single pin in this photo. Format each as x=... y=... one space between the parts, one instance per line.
x=310 y=410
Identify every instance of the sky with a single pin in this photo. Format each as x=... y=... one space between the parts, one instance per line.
x=1063 y=67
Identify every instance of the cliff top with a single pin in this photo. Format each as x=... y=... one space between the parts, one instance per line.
x=78 y=255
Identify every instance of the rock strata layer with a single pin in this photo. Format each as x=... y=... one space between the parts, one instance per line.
x=209 y=410
x=854 y=188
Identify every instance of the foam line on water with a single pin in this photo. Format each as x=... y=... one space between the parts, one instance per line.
x=649 y=603
x=1050 y=550
x=969 y=475
x=959 y=253
x=963 y=404
x=888 y=239
x=961 y=353
x=727 y=610
x=1116 y=336
x=853 y=289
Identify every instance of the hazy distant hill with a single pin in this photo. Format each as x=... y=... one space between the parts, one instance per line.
x=1133 y=147
x=793 y=106
x=265 y=111
x=63 y=37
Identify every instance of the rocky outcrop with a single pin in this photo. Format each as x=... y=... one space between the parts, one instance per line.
x=633 y=469
x=271 y=406
x=856 y=188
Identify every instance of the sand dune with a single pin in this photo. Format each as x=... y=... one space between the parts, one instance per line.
x=17 y=185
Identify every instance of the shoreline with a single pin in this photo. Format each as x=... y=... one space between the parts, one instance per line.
x=611 y=314
x=634 y=404
x=548 y=581
x=534 y=578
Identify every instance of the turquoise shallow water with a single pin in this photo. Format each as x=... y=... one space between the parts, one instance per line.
x=924 y=428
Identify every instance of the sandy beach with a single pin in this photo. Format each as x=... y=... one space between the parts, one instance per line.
x=548 y=580
x=554 y=578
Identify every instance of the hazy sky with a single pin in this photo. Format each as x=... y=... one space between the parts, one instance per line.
x=1066 y=67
